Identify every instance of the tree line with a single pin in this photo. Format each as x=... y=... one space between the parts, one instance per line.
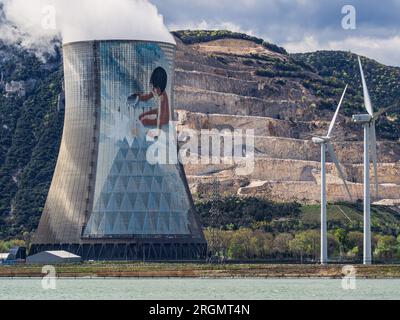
x=250 y=244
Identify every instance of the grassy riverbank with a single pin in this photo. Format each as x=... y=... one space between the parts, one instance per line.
x=202 y=270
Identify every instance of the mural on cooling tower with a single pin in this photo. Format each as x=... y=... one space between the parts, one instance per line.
x=132 y=196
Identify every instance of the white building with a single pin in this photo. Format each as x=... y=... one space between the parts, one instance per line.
x=53 y=257
x=3 y=257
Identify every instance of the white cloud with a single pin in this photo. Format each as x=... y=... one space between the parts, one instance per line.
x=308 y=44
x=207 y=25
x=300 y=25
x=80 y=21
x=385 y=50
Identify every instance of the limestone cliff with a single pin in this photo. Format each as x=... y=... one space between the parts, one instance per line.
x=219 y=86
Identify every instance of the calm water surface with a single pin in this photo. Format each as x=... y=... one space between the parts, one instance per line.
x=198 y=289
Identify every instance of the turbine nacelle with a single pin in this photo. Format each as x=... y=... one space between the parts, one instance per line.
x=321 y=140
x=362 y=118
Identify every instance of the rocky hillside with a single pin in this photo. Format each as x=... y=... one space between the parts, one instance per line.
x=243 y=84
x=224 y=80
x=383 y=81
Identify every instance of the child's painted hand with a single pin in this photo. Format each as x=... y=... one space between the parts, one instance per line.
x=134 y=96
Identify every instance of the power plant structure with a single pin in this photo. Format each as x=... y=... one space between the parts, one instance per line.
x=107 y=200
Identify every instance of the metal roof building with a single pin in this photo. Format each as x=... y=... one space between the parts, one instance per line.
x=53 y=257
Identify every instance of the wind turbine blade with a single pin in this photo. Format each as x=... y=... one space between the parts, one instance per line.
x=384 y=110
x=374 y=155
x=367 y=99
x=336 y=113
x=339 y=168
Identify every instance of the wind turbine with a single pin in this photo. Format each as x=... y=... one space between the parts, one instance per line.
x=368 y=121
x=325 y=143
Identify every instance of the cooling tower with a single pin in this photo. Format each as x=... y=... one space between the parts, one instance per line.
x=107 y=201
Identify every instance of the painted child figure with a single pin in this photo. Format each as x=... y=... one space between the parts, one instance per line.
x=156 y=117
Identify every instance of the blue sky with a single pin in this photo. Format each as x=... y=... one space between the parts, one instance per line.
x=298 y=25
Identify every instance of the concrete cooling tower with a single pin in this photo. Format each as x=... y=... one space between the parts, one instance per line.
x=107 y=201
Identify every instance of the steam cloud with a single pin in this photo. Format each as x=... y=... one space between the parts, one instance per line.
x=36 y=24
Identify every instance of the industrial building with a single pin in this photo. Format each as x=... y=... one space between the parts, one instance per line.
x=15 y=255
x=53 y=257
x=106 y=200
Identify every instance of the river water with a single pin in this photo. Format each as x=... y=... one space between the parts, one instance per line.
x=198 y=289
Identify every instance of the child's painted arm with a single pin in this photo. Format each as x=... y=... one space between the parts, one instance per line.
x=149 y=122
x=142 y=97
x=164 y=116
x=146 y=97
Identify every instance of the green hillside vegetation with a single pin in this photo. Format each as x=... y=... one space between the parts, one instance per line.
x=345 y=247
x=31 y=129
x=328 y=89
x=326 y=73
x=235 y=212
x=383 y=83
x=254 y=228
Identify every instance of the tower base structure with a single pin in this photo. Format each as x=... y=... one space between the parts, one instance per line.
x=131 y=251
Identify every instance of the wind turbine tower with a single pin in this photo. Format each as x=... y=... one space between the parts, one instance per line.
x=326 y=145
x=368 y=121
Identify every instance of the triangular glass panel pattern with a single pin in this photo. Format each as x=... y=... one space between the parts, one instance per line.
x=138 y=198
